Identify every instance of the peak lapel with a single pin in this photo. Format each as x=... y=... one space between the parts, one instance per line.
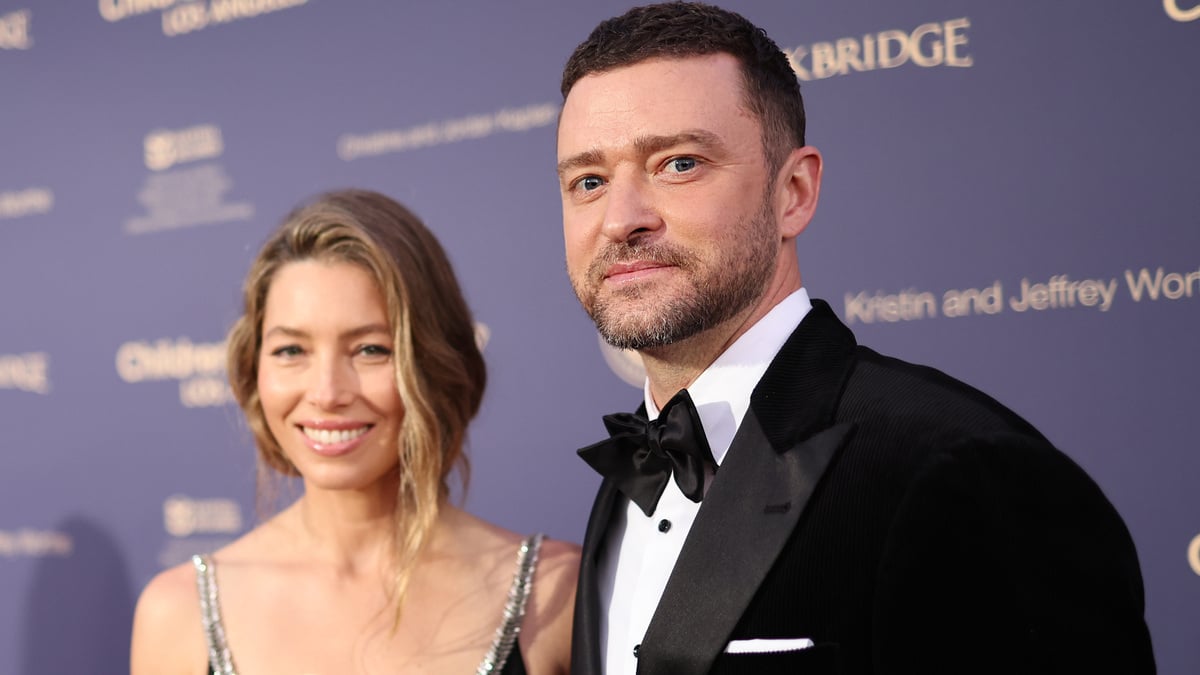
x=782 y=449
x=735 y=540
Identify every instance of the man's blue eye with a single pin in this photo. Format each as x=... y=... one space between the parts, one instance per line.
x=590 y=183
x=682 y=164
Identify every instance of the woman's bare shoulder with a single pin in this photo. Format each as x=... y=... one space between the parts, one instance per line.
x=545 y=638
x=167 y=633
x=546 y=631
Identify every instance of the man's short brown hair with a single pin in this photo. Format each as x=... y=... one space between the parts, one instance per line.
x=677 y=30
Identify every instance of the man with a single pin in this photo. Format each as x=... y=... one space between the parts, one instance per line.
x=808 y=505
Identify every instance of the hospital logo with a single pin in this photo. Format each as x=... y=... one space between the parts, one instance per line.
x=199 y=367
x=166 y=148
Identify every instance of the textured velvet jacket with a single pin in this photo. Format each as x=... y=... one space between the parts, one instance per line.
x=901 y=520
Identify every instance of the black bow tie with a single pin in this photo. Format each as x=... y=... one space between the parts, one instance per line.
x=641 y=456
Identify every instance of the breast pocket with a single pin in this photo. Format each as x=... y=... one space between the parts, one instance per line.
x=821 y=659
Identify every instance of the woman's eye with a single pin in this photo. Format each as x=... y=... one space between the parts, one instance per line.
x=682 y=164
x=287 y=351
x=374 y=350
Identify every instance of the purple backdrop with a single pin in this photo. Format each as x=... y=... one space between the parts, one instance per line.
x=1011 y=195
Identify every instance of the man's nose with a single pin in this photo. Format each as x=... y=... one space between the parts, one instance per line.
x=629 y=210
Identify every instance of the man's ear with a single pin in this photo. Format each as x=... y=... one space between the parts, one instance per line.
x=797 y=190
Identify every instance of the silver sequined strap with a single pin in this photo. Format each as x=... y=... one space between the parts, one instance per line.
x=219 y=658
x=514 y=608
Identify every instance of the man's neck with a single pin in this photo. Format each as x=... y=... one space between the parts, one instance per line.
x=676 y=366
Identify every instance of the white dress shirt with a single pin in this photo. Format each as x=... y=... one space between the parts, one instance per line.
x=641 y=550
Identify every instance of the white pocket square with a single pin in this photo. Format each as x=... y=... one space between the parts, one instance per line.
x=767 y=645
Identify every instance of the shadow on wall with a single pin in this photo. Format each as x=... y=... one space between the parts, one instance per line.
x=79 y=610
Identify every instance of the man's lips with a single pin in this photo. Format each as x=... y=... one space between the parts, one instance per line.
x=629 y=271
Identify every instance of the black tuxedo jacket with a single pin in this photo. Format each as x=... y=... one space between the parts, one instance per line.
x=903 y=521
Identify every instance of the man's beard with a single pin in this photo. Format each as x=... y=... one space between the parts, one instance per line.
x=628 y=318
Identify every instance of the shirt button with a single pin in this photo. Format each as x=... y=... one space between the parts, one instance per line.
x=664 y=525
x=636 y=648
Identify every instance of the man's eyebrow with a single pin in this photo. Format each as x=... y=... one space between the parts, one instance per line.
x=645 y=145
x=651 y=144
x=585 y=158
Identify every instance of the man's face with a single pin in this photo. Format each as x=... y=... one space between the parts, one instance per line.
x=667 y=212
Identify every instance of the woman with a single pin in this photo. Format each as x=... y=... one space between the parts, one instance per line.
x=356 y=365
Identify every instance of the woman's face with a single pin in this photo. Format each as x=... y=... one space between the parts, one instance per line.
x=326 y=377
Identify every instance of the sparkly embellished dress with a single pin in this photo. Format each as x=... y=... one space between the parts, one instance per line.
x=503 y=658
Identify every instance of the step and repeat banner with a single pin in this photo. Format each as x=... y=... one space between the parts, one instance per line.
x=1012 y=195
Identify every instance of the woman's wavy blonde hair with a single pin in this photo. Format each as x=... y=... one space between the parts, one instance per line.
x=440 y=372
